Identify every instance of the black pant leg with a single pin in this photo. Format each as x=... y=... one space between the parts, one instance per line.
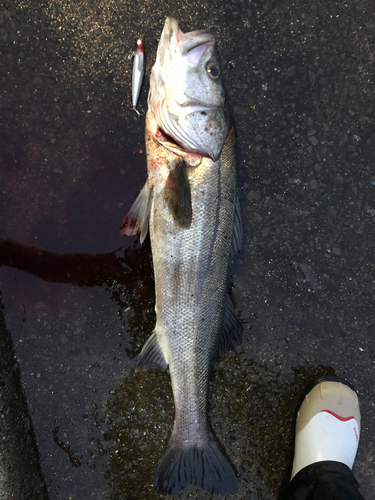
x=323 y=481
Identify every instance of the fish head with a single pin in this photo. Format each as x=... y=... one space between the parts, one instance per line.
x=186 y=94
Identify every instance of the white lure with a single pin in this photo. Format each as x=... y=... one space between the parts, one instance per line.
x=138 y=70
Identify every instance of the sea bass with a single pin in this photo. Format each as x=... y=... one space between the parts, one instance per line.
x=189 y=204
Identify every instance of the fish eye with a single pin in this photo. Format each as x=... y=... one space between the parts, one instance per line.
x=213 y=71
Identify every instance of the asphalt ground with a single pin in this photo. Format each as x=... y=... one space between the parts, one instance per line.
x=300 y=82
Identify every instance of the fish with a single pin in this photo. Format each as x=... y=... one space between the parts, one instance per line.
x=138 y=71
x=189 y=206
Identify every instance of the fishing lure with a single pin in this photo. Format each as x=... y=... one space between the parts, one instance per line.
x=138 y=70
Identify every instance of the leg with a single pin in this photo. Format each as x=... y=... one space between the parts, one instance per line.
x=324 y=481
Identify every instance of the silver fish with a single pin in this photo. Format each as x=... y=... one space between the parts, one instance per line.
x=189 y=204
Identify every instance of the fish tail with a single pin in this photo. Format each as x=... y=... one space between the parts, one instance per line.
x=202 y=463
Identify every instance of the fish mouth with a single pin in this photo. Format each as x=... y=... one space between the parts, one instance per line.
x=188 y=41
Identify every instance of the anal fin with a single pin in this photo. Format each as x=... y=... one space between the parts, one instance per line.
x=151 y=355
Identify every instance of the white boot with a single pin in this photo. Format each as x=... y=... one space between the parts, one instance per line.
x=328 y=425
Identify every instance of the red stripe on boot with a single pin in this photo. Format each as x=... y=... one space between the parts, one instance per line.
x=343 y=419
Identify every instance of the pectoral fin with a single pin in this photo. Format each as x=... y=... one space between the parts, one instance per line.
x=177 y=194
x=137 y=219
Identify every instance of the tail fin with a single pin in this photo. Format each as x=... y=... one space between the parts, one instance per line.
x=201 y=463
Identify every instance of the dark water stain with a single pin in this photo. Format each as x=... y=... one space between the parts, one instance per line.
x=75 y=459
x=124 y=266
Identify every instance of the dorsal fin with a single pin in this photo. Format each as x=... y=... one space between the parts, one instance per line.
x=232 y=331
x=237 y=231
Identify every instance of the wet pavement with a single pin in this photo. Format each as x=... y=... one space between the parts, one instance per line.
x=78 y=298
